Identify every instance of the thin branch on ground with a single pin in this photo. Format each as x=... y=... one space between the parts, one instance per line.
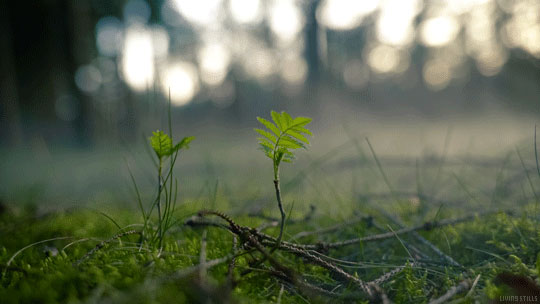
x=104 y=243
x=380 y=294
x=461 y=287
x=425 y=226
x=202 y=258
x=422 y=240
x=267 y=225
x=329 y=266
x=331 y=228
x=388 y=275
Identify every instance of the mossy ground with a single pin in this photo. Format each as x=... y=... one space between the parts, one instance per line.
x=122 y=272
x=342 y=189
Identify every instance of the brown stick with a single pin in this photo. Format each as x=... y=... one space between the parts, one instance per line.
x=461 y=287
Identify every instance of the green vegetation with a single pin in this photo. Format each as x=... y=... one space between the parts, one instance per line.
x=163 y=147
x=286 y=135
x=341 y=246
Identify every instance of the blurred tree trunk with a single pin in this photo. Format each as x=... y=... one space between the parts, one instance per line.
x=10 y=121
x=81 y=43
x=312 y=43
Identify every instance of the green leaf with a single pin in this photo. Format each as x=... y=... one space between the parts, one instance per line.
x=161 y=143
x=268 y=135
x=276 y=117
x=267 y=149
x=287 y=119
x=288 y=134
x=298 y=136
x=184 y=143
x=287 y=142
x=265 y=143
x=269 y=125
x=301 y=121
x=302 y=129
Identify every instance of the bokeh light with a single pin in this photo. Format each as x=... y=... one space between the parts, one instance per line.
x=88 y=78
x=245 y=11
x=437 y=74
x=395 y=21
x=294 y=69
x=383 y=59
x=439 y=31
x=267 y=41
x=160 y=41
x=214 y=62
x=109 y=31
x=200 y=12
x=286 y=20
x=182 y=81
x=259 y=63
x=344 y=14
x=138 y=58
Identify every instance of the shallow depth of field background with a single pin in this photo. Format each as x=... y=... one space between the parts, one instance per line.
x=446 y=91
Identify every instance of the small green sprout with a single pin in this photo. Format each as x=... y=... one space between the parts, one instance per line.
x=163 y=147
x=162 y=144
x=283 y=136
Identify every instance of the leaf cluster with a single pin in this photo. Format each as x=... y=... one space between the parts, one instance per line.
x=163 y=146
x=283 y=136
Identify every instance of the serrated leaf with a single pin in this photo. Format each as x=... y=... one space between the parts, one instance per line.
x=268 y=135
x=268 y=151
x=288 y=142
x=184 y=143
x=265 y=143
x=287 y=118
x=302 y=121
x=289 y=134
x=302 y=130
x=276 y=117
x=161 y=143
x=269 y=125
x=298 y=135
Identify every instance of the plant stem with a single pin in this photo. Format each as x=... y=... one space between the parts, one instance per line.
x=159 y=201
x=280 y=205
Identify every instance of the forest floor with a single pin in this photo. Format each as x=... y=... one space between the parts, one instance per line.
x=360 y=229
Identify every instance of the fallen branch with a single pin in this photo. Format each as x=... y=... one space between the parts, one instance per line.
x=252 y=236
x=422 y=240
x=329 y=266
x=386 y=276
x=104 y=243
x=426 y=226
x=332 y=228
x=461 y=287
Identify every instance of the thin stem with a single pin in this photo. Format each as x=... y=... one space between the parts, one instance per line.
x=159 y=201
x=280 y=205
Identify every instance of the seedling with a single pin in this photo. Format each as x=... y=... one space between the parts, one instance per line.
x=283 y=136
x=163 y=147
